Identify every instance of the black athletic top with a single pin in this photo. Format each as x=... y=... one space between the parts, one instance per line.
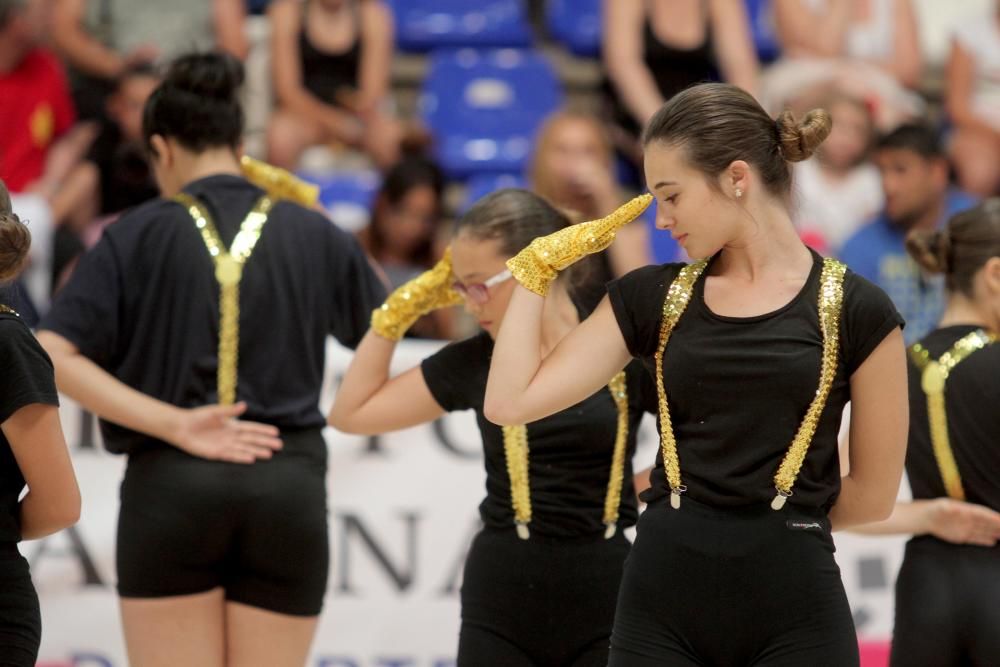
x=324 y=74
x=144 y=305
x=972 y=403
x=738 y=388
x=26 y=377
x=569 y=452
x=672 y=68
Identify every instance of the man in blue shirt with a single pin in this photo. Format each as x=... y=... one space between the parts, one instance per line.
x=918 y=195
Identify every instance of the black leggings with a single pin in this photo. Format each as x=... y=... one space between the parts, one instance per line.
x=188 y=525
x=20 y=620
x=746 y=586
x=542 y=602
x=947 y=606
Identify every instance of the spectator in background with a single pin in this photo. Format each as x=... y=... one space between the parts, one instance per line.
x=331 y=65
x=918 y=196
x=653 y=49
x=573 y=168
x=404 y=229
x=839 y=189
x=101 y=39
x=972 y=98
x=868 y=48
x=118 y=153
x=41 y=149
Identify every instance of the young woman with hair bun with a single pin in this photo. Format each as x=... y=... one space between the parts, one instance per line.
x=755 y=349
x=949 y=583
x=210 y=304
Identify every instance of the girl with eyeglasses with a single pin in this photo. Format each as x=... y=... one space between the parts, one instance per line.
x=541 y=578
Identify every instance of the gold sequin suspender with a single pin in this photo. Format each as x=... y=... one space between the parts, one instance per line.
x=674 y=305
x=228 y=273
x=934 y=376
x=515 y=445
x=831 y=298
x=8 y=309
x=831 y=301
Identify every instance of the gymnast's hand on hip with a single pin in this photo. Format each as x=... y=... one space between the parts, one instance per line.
x=213 y=432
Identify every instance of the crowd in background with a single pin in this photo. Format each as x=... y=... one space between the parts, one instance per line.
x=916 y=133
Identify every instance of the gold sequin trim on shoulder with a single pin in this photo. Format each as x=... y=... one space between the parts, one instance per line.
x=7 y=309
x=228 y=273
x=516 y=452
x=933 y=378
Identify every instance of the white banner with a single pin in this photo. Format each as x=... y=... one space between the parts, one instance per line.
x=403 y=508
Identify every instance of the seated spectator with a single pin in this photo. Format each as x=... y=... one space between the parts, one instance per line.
x=839 y=189
x=405 y=228
x=41 y=149
x=331 y=64
x=866 y=48
x=101 y=39
x=973 y=102
x=118 y=153
x=914 y=171
x=573 y=168
x=654 y=49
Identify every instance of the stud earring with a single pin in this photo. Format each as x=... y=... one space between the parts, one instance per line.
x=739 y=193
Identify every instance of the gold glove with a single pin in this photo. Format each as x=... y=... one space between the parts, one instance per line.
x=539 y=264
x=279 y=183
x=427 y=292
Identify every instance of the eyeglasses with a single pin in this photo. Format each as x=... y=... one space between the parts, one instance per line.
x=480 y=292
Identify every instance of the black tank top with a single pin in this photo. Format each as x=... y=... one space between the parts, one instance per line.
x=324 y=73
x=672 y=68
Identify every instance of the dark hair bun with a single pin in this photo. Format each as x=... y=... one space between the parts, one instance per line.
x=15 y=241
x=214 y=75
x=931 y=249
x=800 y=139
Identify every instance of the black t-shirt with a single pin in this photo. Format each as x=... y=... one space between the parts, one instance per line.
x=972 y=403
x=26 y=377
x=738 y=388
x=144 y=305
x=570 y=452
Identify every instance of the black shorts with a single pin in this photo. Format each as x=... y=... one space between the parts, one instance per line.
x=542 y=601
x=20 y=620
x=947 y=605
x=732 y=586
x=188 y=525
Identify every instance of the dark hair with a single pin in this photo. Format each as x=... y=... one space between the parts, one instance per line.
x=921 y=139
x=960 y=248
x=15 y=239
x=7 y=9
x=196 y=103
x=406 y=175
x=718 y=123
x=516 y=217
x=142 y=70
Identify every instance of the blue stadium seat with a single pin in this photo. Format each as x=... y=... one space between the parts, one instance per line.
x=347 y=196
x=483 y=184
x=422 y=25
x=484 y=108
x=576 y=24
x=762 y=30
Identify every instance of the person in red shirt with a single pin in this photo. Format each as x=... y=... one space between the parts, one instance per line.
x=40 y=147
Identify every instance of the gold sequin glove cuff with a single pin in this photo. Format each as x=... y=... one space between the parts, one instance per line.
x=408 y=303
x=279 y=183
x=538 y=265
